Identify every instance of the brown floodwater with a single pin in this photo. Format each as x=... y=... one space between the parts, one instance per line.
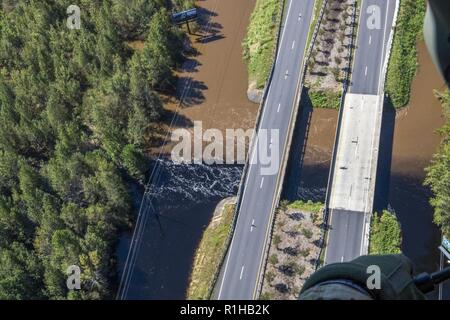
x=221 y=75
x=212 y=85
x=415 y=139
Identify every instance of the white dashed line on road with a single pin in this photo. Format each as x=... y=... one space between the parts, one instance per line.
x=242 y=273
x=279 y=106
x=293 y=45
x=370 y=40
x=262 y=182
x=365 y=72
x=253 y=225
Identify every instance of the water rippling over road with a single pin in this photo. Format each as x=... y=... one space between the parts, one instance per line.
x=196 y=183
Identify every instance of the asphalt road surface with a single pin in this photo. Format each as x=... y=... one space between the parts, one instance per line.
x=244 y=260
x=351 y=200
x=375 y=26
x=347 y=229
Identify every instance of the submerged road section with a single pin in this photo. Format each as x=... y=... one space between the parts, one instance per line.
x=240 y=277
x=351 y=191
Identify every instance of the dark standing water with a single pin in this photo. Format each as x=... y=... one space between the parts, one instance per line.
x=182 y=206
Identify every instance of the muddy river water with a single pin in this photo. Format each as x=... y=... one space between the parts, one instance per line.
x=185 y=196
x=415 y=141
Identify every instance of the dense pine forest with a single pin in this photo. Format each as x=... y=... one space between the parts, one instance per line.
x=76 y=110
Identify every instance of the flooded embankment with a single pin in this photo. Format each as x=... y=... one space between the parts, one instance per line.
x=414 y=144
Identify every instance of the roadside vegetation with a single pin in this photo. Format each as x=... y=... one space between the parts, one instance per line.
x=325 y=98
x=209 y=254
x=76 y=110
x=403 y=61
x=294 y=250
x=260 y=42
x=438 y=173
x=385 y=234
x=329 y=61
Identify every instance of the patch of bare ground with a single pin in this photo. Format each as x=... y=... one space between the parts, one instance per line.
x=294 y=250
x=329 y=60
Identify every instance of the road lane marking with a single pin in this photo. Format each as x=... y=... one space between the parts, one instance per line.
x=242 y=273
x=285 y=24
x=286 y=74
x=370 y=40
x=365 y=72
x=253 y=225
x=262 y=182
x=279 y=106
x=293 y=45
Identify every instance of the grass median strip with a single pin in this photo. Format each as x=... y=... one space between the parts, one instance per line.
x=209 y=254
x=325 y=98
x=259 y=44
x=403 y=61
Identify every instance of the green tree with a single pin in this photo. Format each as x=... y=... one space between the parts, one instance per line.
x=30 y=182
x=133 y=16
x=134 y=161
x=438 y=173
x=385 y=234
x=162 y=50
x=76 y=108
x=20 y=274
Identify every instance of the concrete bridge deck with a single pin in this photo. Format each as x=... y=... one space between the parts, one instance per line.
x=351 y=191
